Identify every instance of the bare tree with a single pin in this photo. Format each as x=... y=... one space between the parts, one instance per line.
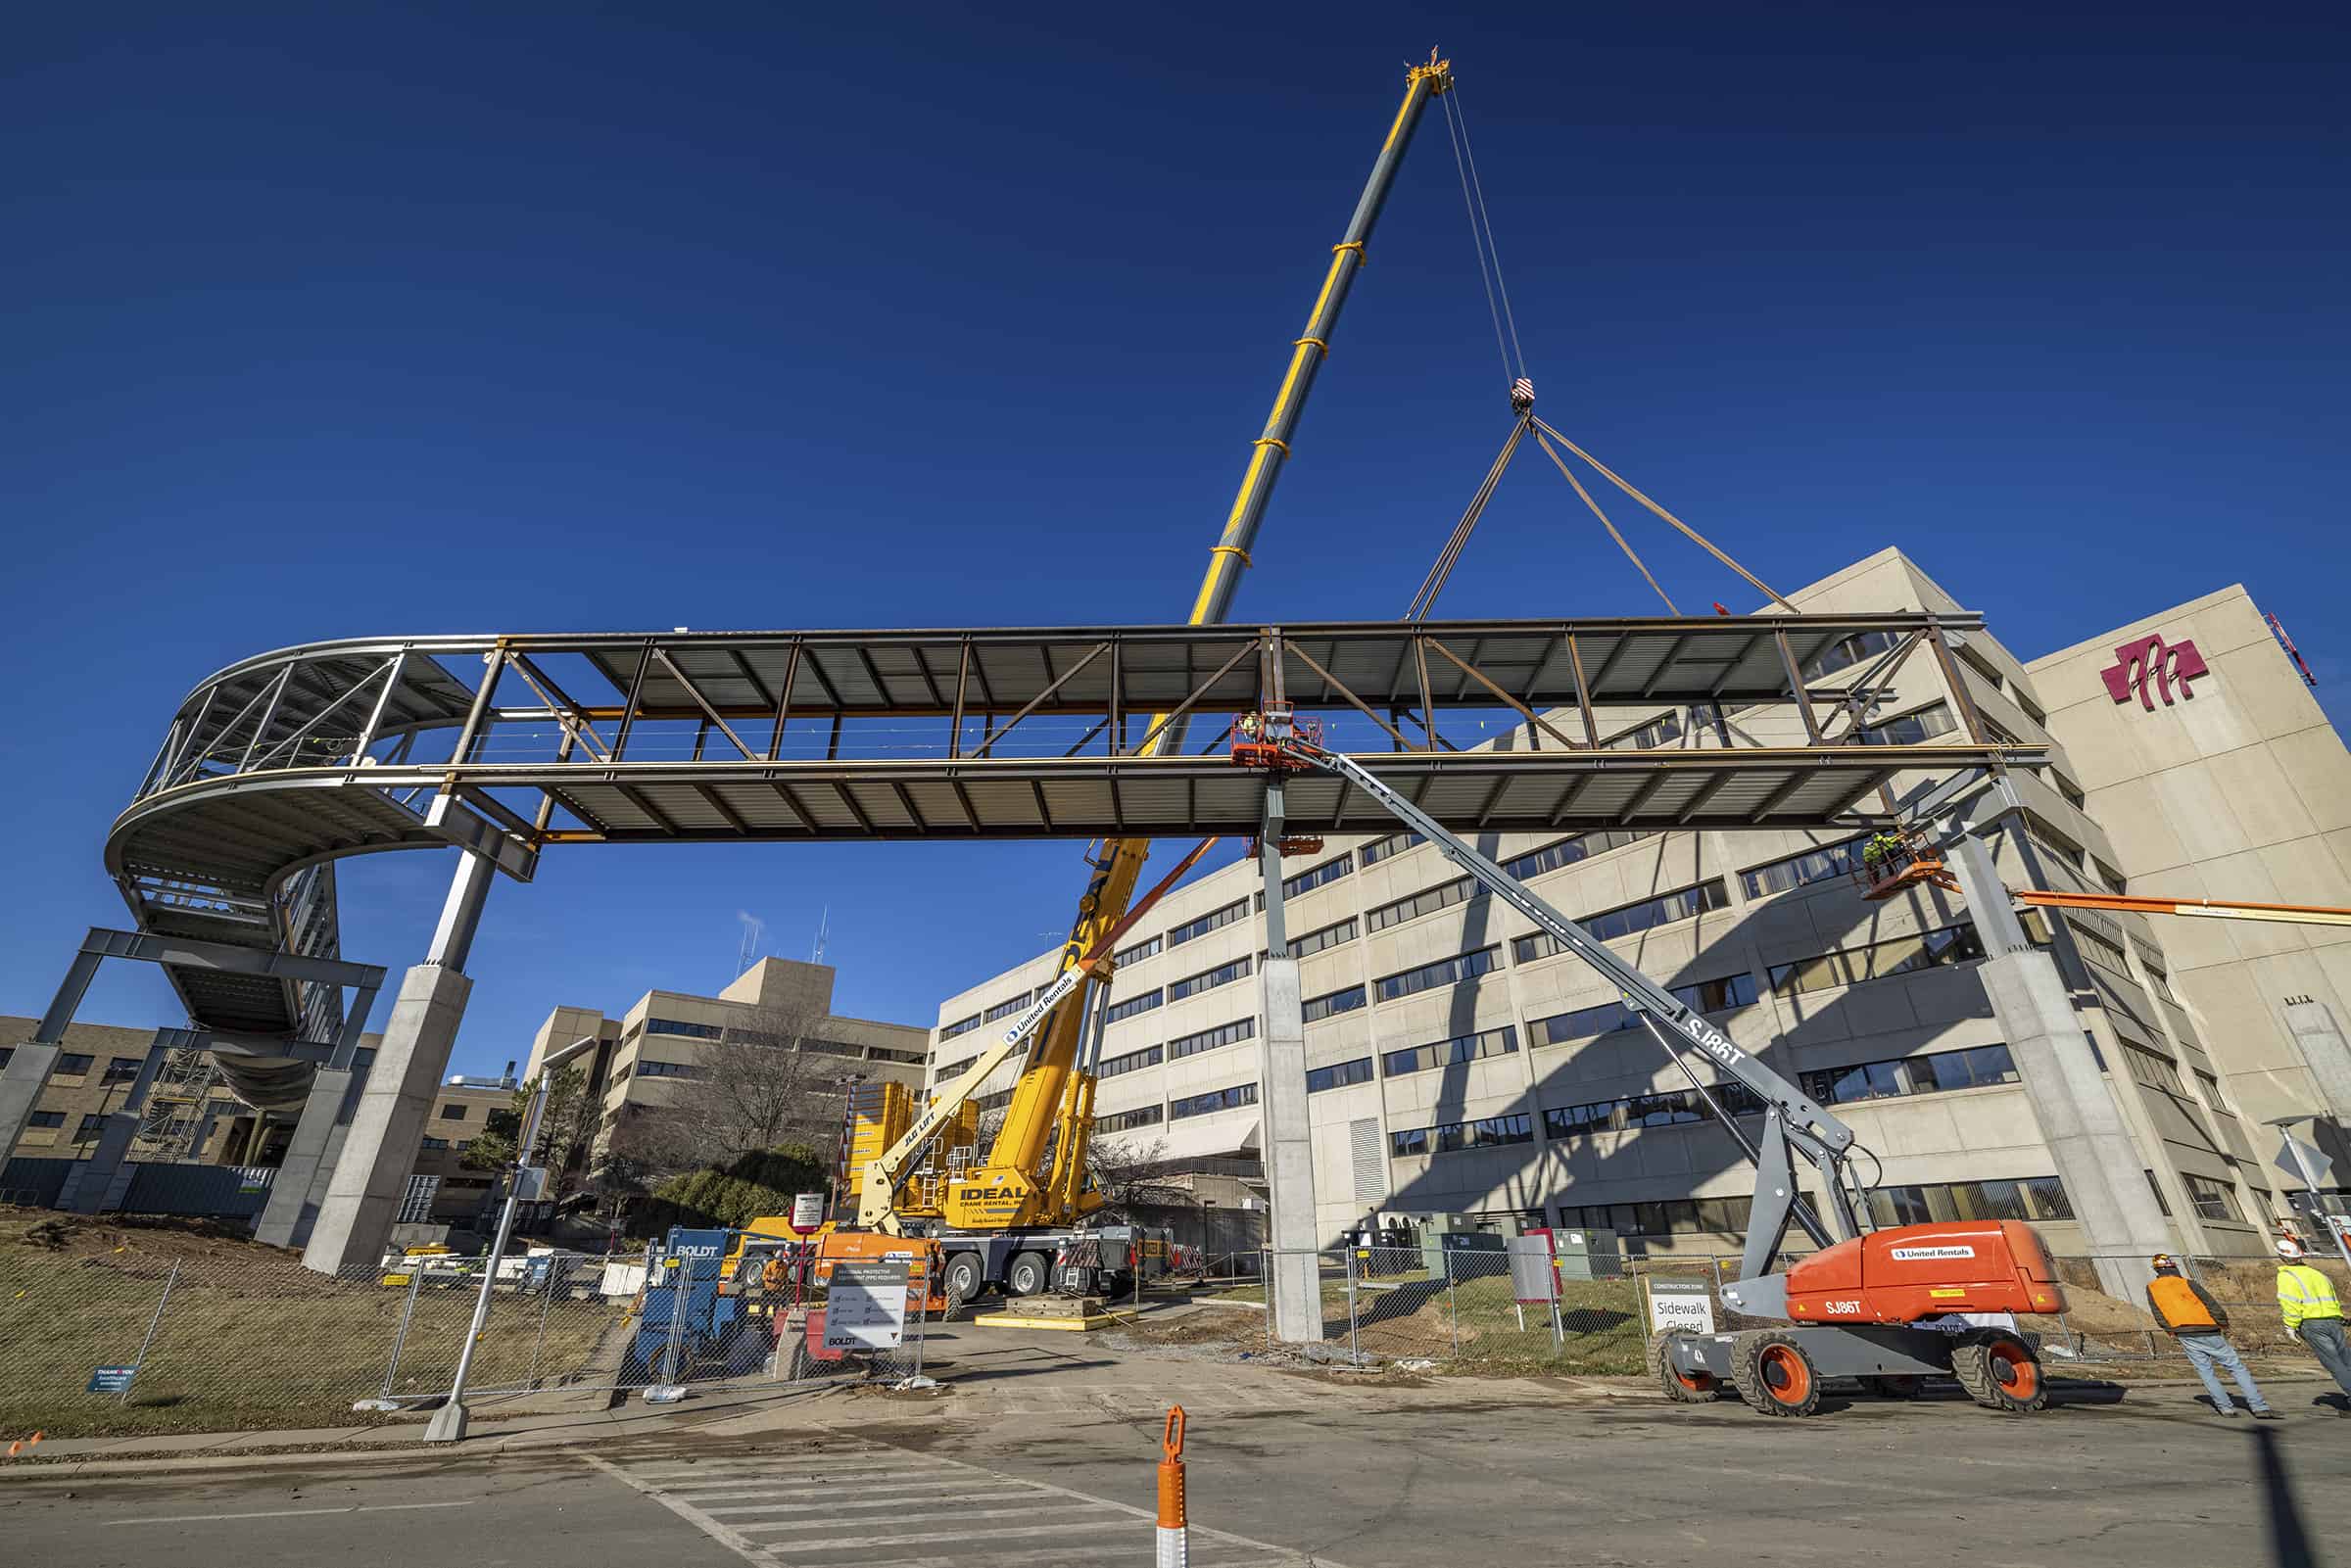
x=1127 y=1172
x=769 y=1079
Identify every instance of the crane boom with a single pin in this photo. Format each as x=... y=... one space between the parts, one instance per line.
x=1791 y=1117
x=1054 y=1092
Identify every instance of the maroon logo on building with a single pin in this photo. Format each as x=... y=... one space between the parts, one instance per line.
x=2152 y=657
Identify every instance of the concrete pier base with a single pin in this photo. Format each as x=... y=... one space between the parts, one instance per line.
x=95 y=1185
x=308 y=1170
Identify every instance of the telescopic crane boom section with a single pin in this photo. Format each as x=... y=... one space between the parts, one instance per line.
x=1055 y=1085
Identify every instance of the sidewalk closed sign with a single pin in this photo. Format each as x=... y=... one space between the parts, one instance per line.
x=865 y=1308
x=113 y=1379
x=1679 y=1305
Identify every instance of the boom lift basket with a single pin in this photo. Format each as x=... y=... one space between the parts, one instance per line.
x=1903 y=857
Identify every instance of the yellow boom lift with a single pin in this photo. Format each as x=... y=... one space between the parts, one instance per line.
x=1000 y=1218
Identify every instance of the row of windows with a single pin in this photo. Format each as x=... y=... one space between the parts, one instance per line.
x=1135 y=1004
x=2154 y=1070
x=1339 y=1075
x=1380 y=849
x=2032 y=1198
x=668 y=1069
x=1136 y=952
x=1200 y=1105
x=1149 y=1116
x=1847 y=651
x=1911 y=728
x=1133 y=1061
x=1803 y=868
x=1212 y=1039
x=1445 y=971
x=1977 y=1068
x=1330 y=870
x=1451 y=1137
x=1648 y=737
x=948 y=1031
x=1611 y=924
x=1005 y=1009
x=1344 y=1000
x=1208 y=981
x=1676 y=1217
x=1448 y=1053
x=1661 y=1108
x=1567 y=851
x=1427 y=901
x=1902 y=955
x=993 y=1102
x=2099 y=948
x=1328 y=938
x=697 y=1032
x=1720 y=995
x=1213 y=920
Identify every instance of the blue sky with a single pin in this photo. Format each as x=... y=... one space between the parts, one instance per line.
x=333 y=320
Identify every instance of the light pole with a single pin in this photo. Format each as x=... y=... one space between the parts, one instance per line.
x=447 y=1424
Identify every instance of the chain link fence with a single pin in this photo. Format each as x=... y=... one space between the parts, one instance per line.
x=1387 y=1304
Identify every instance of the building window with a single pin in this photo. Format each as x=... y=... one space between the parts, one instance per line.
x=1005 y=1009
x=2032 y=1198
x=1453 y=1137
x=1609 y=925
x=1648 y=737
x=1798 y=871
x=993 y=1102
x=1902 y=955
x=1720 y=995
x=1445 y=971
x=121 y=1070
x=1567 y=851
x=620 y=1076
x=693 y=1031
x=1339 y=1075
x=1328 y=938
x=1379 y=849
x=884 y=1052
x=1131 y=1061
x=1448 y=1053
x=1201 y=1105
x=2154 y=1070
x=1911 y=728
x=2159 y=979
x=452 y=1112
x=948 y=1031
x=7 y=1053
x=1134 y=1005
x=1212 y=1039
x=433 y=1143
x=1847 y=651
x=1340 y=1001
x=2098 y=949
x=1662 y=1107
x=2067 y=789
x=2161 y=1202
x=1330 y=870
x=47 y=1119
x=2212 y=1092
x=1209 y=979
x=2214 y=1200
x=1213 y=920
x=1427 y=901
x=1676 y=1217
x=91 y=1121
x=1977 y=1068
x=1141 y=950
x=2032 y=710
x=72 y=1065
x=1148 y=1116
x=668 y=1069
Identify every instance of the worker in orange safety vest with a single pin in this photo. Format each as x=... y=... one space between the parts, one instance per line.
x=2196 y=1321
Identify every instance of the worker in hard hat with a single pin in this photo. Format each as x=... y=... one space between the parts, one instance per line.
x=2197 y=1322
x=2313 y=1312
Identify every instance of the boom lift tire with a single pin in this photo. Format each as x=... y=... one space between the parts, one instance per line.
x=1027 y=1275
x=965 y=1279
x=1773 y=1374
x=1683 y=1388
x=1999 y=1371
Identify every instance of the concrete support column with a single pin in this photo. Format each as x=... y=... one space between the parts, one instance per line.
x=371 y=1170
x=1294 y=1295
x=2073 y=1104
x=91 y=1186
x=20 y=1084
x=300 y=1187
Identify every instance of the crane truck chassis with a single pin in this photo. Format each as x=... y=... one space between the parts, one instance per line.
x=1890 y=1306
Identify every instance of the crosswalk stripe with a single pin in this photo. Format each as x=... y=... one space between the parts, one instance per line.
x=918 y=1536
x=802 y=1480
x=909 y=1495
x=847 y=1504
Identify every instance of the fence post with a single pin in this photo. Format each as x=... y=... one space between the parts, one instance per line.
x=1355 y=1354
x=547 y=1300
x=153 y=1324
x=400 y=1338
x=1453 y=1304
x=681 y=1292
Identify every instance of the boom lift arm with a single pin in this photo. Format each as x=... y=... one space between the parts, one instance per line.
x=1794 y=1125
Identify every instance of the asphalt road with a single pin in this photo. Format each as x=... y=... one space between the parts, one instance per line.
x=2153 y=1480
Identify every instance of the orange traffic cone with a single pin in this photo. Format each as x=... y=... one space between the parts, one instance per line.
x=27 y=1444
x=1174 y=1549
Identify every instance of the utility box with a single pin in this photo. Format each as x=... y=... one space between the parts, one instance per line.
x=1445 y=1234
x=1587 y=1255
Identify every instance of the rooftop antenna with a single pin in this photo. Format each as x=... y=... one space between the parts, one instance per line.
x=816 y=954
x=753 y=927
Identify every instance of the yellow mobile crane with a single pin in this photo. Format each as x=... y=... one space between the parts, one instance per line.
x=1000 y=1218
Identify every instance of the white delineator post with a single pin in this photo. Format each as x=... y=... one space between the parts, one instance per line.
x=1174 y=1543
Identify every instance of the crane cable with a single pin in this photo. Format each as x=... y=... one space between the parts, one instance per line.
x=1434 y=582
x=1481 y=240
x=1639 y=566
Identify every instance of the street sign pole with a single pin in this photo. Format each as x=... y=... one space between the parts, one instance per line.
x=2301 y=1160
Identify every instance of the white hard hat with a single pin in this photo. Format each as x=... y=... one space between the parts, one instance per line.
x=2288 y=1247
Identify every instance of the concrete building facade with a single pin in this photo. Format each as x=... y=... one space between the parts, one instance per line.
x=665 y=1037
x=1456 y=1063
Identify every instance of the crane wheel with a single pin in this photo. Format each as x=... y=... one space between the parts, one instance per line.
x=1773 y=1374
x=1683 y=1388
x=964 y=1278
x=1028 y=1275
x=2000 y=1372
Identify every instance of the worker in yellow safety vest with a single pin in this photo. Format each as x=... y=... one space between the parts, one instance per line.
x=2312 y=1313
x=2196 y=1320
